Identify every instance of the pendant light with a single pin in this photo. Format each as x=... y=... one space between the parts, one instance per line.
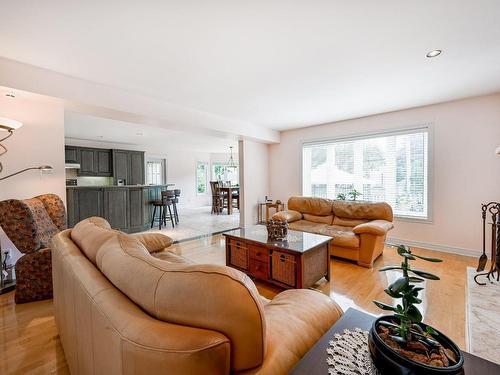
x=231 y=164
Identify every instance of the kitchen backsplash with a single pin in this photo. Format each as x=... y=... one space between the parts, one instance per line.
x=89 y=181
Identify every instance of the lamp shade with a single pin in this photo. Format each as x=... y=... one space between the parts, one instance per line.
x=9 y=124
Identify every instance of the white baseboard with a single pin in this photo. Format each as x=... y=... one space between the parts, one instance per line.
x=425 y=245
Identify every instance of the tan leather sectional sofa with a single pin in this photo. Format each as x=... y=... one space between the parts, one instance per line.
x=125 y=305
x=358 y=229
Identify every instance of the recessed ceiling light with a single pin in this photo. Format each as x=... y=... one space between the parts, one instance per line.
x=100 y=136
x=10 y=94
x=434 y=53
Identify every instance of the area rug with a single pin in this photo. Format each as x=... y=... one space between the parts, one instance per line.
x=483 y=318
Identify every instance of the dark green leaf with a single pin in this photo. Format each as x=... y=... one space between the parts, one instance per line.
x=413 y=299
x=398 y=285
x=384 y=306
x=414 y=314
x=425 y=275
x=393 y=295
x=416 y=290
x=435 y=260
x=388 y=268
x=430 y=330
x=408 y=255
x=415 y=279
x=402 y=249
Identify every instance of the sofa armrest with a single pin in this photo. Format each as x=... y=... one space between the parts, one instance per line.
x=375 y=227
x=154 y=242
x=289 y=216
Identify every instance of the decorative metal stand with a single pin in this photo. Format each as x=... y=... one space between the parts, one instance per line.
x=494 y=209
x=7 y=279
x=277 y=230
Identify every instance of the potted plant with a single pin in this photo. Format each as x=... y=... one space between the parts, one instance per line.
x=354 y=194
x=401 y=343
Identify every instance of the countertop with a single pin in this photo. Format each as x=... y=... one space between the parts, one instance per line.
x=116 y=186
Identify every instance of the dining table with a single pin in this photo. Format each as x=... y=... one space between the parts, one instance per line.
x=229 y=190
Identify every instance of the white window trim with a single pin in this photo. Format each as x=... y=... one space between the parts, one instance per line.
x=207 y=179
x=430 y=162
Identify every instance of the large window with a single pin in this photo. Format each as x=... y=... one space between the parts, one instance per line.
x=390 y=167
x=201 y=177
x=155 y=170
x=220 y=172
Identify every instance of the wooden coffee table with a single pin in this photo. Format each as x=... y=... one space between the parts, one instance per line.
x=314 y=362
x=299 y=262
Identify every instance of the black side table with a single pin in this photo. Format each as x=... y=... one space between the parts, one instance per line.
x=314 y=362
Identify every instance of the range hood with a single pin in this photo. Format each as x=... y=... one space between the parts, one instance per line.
x=72 y=166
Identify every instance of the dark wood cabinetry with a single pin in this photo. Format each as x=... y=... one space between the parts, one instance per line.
x=93 y=161
x=116 y=207
x=84 y=203
x=124 y=165
x=71 y=154
x=126 y=208
x=128 y=166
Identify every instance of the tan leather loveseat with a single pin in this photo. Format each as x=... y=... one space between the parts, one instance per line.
x=122 y=310
x=358 y=228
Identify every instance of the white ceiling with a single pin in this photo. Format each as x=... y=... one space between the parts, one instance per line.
x=280 y=64
x=80 y=129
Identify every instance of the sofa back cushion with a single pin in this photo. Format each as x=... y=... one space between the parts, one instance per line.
x=328 y=219
x=213 y=297
x=312 y=206
x=346 y=222
x=362 y=210
x=90 y=234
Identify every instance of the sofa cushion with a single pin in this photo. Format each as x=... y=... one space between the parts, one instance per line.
x=306 y=226
x=193 y=295
x=362 y=210
x=309 y=205
x=342 y=236
x=296 y=319
x=90 y=234
x=328 y=219
x=347 y=222
x=289 y=215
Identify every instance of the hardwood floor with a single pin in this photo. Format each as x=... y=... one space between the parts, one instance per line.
x=29 y=343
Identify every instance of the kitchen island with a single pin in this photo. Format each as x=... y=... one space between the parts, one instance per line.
x=127 y=208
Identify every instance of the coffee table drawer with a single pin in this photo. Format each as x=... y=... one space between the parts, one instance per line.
x=258 y=253
x=238 y=254
x=258 y=269
x=283 y=268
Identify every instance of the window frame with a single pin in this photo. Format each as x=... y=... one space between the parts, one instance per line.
x=163 y=169
x=207 y=172
x=428 y=127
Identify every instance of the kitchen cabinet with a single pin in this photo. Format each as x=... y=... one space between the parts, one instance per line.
x=128 y=167
x=95 y=162
x=71 y=155
x=127 y=208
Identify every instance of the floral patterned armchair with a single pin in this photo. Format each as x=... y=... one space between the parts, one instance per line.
x=30 y=225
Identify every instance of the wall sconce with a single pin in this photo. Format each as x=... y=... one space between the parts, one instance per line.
x=9 y=125
x=497 y=151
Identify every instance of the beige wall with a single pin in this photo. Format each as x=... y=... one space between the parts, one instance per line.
x=39 y=142
x=466 y=171
x=254 y=178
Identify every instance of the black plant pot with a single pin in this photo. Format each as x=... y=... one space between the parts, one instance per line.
x=390 y=362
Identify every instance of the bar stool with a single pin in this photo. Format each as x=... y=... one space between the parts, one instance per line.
x=167 y=198
x=157 y=204
x=177 y=194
